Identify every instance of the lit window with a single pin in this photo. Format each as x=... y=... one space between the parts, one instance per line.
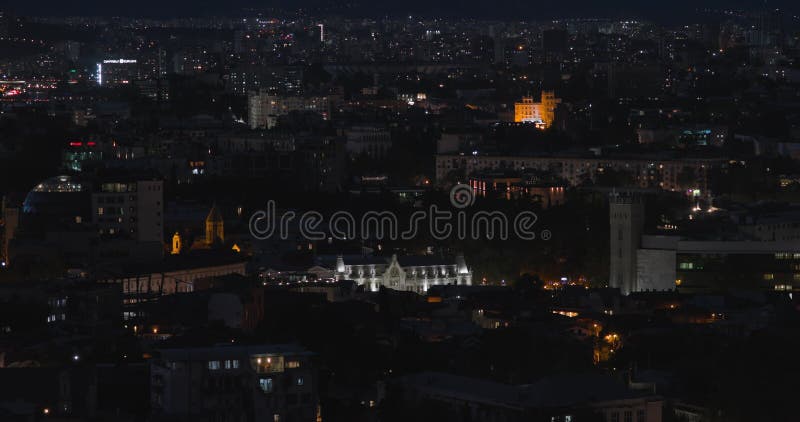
x=213 y=365
x=687 y=265
x=300 y=381
x=769 y=276
x=265 y=384
x=293 y=364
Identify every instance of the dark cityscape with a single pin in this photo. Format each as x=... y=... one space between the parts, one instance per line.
x=399 y=212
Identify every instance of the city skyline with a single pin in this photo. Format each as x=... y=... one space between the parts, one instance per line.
x=392 y=212
x=505 y=10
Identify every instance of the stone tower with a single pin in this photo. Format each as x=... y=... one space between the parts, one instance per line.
x=626 y=218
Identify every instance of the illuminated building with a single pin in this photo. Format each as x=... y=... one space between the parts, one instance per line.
x=56 y=201
x=176 y=244
x=659 y=263
x=646 y=172
x=215 y=227
x=176 y=274
x=626 y=216
x=115 y=72
x=410 y=273
x=287 y=80
x=80 y=152
x=541 y=189
x=264 y=109
x=541 y=113
x=699 y=266
x=259 y=382
x=12 y=88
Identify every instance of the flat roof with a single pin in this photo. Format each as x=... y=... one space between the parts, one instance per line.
x=229 y=351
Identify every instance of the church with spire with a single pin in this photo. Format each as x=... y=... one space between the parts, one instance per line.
x=215 y=228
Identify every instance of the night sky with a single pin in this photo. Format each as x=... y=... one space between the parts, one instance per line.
x=668 y=10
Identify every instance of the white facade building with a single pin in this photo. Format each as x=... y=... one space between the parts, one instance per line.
x=409 y=273
x=264 y=109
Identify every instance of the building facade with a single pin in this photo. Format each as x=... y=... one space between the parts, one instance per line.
x=563 y=398
x=374 y=142
x=667 y=174
x=215 y=227
x=694 y=266
x=234 y=383
x=541 y=113
x=409 y=273
x=641 y=262
x=264 y=109
x=130 y=209
x=626 y=219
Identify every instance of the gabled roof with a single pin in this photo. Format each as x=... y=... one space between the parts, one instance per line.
x=214 y=215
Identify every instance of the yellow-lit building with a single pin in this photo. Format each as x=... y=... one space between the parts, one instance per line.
x=176 y=244
x=541 y=113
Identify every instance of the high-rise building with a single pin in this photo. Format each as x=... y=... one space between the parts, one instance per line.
x=264 y=109
x=130 y=209
x=626 y=218
x=113 y=72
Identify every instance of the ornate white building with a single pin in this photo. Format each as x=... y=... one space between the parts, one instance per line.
x=411 y=273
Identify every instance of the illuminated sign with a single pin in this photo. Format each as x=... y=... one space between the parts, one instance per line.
x=119 y=61
x=80 y=144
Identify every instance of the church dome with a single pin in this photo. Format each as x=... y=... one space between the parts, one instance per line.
x=55 y=195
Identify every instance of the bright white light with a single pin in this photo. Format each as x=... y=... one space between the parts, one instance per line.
x=99 y=73
x=75 y=358
x=119 y=61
